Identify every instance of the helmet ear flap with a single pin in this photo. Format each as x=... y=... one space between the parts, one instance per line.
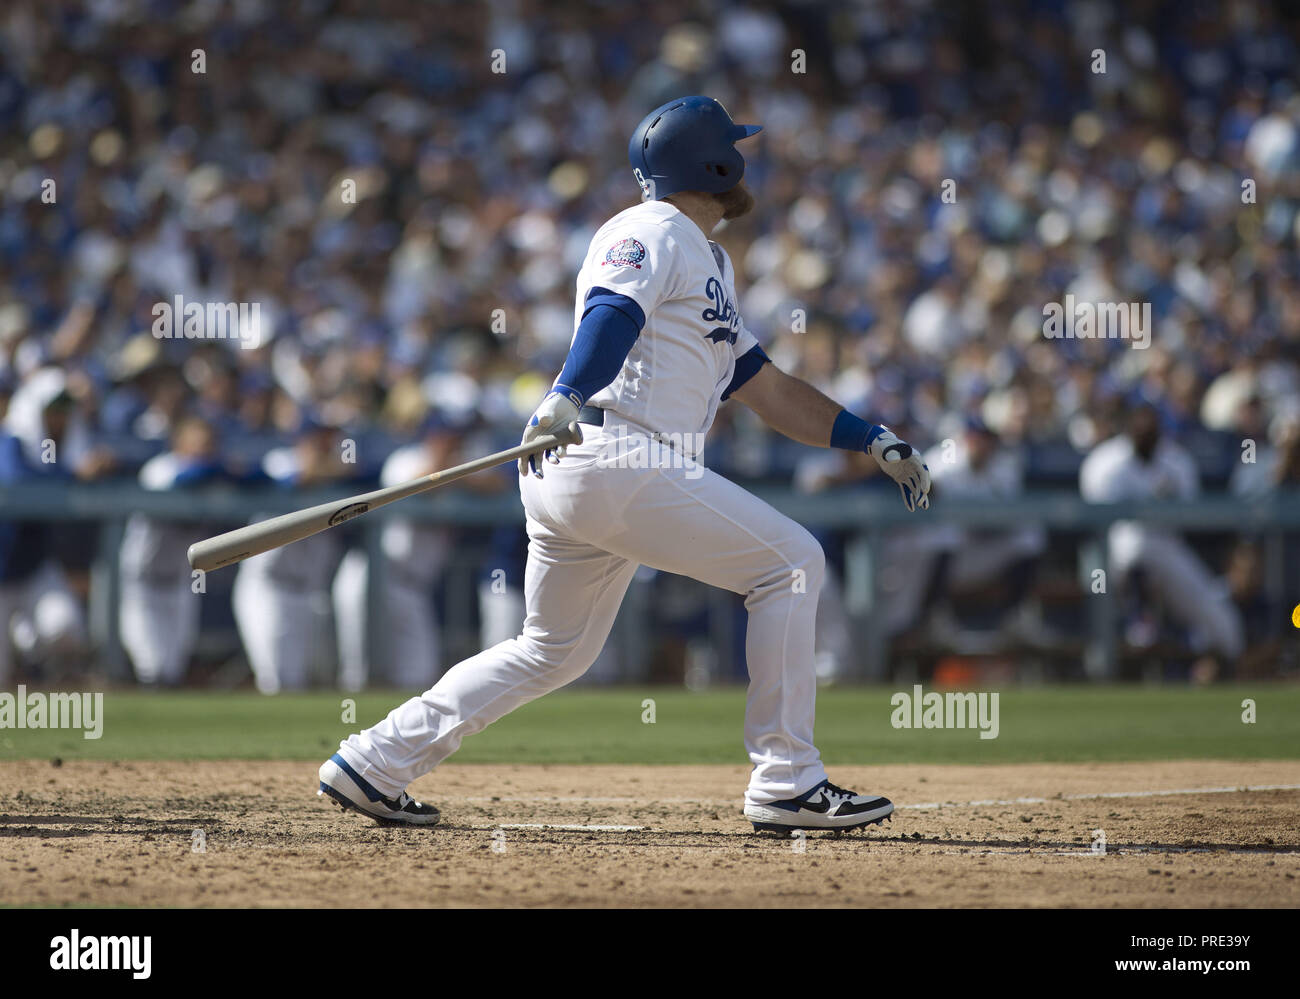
x=726 y=172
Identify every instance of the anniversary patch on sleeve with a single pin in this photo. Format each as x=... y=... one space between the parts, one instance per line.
x=625 y=253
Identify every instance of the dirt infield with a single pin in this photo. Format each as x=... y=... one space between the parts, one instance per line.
x=241 y=834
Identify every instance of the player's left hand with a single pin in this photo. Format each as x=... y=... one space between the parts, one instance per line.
x=900 y=462
x=556 y=415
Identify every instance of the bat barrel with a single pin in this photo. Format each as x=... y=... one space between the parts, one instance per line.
x=245 y=542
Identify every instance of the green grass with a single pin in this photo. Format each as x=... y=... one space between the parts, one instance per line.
x=1050 y=724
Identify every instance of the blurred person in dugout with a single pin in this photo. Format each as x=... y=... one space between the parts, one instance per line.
x=45 y=437
x=1141 y=464
x=923 y=569
x=833 y=632
x=281 y=599
x=160 y=605
x=415 y=553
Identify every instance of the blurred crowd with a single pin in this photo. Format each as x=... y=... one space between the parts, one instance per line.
x=406 y=189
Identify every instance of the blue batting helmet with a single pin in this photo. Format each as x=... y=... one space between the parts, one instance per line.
x=688 y=145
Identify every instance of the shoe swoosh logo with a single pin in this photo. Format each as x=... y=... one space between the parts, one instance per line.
x=820 y=805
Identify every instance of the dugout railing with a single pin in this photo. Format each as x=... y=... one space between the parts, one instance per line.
x=865 y=517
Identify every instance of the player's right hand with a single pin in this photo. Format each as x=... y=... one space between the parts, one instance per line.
x=558 y=415
x=903 y=464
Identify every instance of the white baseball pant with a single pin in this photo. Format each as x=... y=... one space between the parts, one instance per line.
x=39 y=617
x=500 y=611
x=590 y=524
x=1189 y=591
x=159 y=625
x=286 y=627
x=414 y=638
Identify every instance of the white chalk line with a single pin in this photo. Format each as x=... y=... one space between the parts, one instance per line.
x=919 y=806
x=928 y=805
x=542 y=799
x=567 y=827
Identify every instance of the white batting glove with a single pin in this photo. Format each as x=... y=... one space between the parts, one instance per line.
x=901 y=463
x=558 y=415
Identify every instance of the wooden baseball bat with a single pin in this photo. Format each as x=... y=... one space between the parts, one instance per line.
x=245 y=542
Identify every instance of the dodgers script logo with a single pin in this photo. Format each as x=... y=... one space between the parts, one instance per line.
x=625 y=253
x=723 y=311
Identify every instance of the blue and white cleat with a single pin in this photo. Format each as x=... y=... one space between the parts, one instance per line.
x=824 y=807
x=351 y=790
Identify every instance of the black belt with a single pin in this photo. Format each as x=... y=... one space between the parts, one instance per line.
x=592 y=415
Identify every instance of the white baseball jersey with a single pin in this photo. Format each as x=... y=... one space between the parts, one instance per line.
x=1113 y=472
x=416 y=551
x=683 y=282
x=152 y=548
x=305 y=566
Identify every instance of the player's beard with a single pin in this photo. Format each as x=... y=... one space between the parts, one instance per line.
x=736 y=202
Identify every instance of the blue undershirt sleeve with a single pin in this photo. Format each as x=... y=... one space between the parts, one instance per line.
x=608 y=329
x=747 y=366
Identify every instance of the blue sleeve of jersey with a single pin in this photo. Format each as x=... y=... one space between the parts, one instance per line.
x=747 y=366
x=198 y=473
x=12 y=466
x=609 y=327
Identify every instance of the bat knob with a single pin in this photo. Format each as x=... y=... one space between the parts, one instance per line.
x=572 y=434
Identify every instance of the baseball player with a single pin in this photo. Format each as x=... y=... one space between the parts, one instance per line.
x=42 y=435
x=1141 y=464
x=159 y=612
x=659 y=344
x=415 y=556
x=279 y=597
x=39 y=615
